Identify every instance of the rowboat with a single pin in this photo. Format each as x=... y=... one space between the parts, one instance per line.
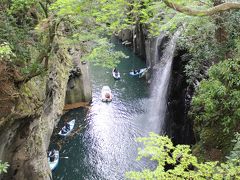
x=116 y=74
x=138 y=72
x=53 y=164
x=66 y=131
x=106 y=94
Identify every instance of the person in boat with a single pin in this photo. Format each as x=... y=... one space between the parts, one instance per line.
x=64 y=130
x=107 y=96
x=67 y=127
x=135 y=71
x=115 y=71
x=52 y=155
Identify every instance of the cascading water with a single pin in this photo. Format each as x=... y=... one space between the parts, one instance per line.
x=159 y=86
x=158 y=43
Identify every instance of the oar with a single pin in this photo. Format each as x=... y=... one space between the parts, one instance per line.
x=64 y=157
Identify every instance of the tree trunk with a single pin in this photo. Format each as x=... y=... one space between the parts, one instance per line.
x=208 y=12
x=221 y=33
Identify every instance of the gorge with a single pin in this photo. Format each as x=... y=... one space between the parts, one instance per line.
x=178 y=118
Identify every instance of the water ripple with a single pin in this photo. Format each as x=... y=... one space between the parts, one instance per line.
x=103 y=146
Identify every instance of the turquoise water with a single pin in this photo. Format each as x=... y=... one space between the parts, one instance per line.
x=103 y=146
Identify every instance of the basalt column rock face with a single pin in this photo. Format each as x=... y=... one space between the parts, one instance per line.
x=139 y=36
x=25 y=132
x=126 y=36
x=154 y=50
x=179 y=127
x=79 y=88
x=135 y=38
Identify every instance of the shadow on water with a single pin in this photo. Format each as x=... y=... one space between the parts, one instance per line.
x=103 y=145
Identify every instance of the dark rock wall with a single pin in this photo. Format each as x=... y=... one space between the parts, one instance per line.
x=126 y=35
x=139 y=36
x=135 y=38
x=179 y=127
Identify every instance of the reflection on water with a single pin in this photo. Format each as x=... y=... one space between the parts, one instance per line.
x=103 y=144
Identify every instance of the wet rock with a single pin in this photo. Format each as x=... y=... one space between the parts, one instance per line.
x=79 y=87
x=179 y=127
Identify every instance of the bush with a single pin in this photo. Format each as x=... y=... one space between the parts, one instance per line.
x=217 y=100
x=180 y=162
x=216 y=106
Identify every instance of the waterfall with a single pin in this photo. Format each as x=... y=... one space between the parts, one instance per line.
x=159 y=86
x=158 y=42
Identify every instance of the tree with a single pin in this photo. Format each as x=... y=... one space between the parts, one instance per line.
x=215 y=106
x=32 y=50
x=92 y=23
x=42 y=26
x=177 y=162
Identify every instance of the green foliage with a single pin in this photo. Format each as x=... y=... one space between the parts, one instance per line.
x=234 y=156
x=237 y=44
x=32 y=67
x=216 y=106
x=21 y=5
x=90 y=24
x=17 y=23
x=183 y=164
x=201 y=37
x=217 y=100
x=68 y=7
x=3 y=167
x=104 y=54
x=201 y=44
x=6 y=51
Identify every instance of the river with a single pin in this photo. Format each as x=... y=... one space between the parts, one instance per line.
x=103 y=146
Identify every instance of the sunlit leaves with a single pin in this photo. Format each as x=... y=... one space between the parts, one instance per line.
x=3 y=167
x=6 y=51
x=90 y=22
x=177 y=162
x=104 y=54
x=21 y=5
x=68 y=7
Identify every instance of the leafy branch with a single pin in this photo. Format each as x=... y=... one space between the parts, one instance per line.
x=3 y=167
x=177 y=162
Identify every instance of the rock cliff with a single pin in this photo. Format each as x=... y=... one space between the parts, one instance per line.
x=79 y=87
x=27 y=120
